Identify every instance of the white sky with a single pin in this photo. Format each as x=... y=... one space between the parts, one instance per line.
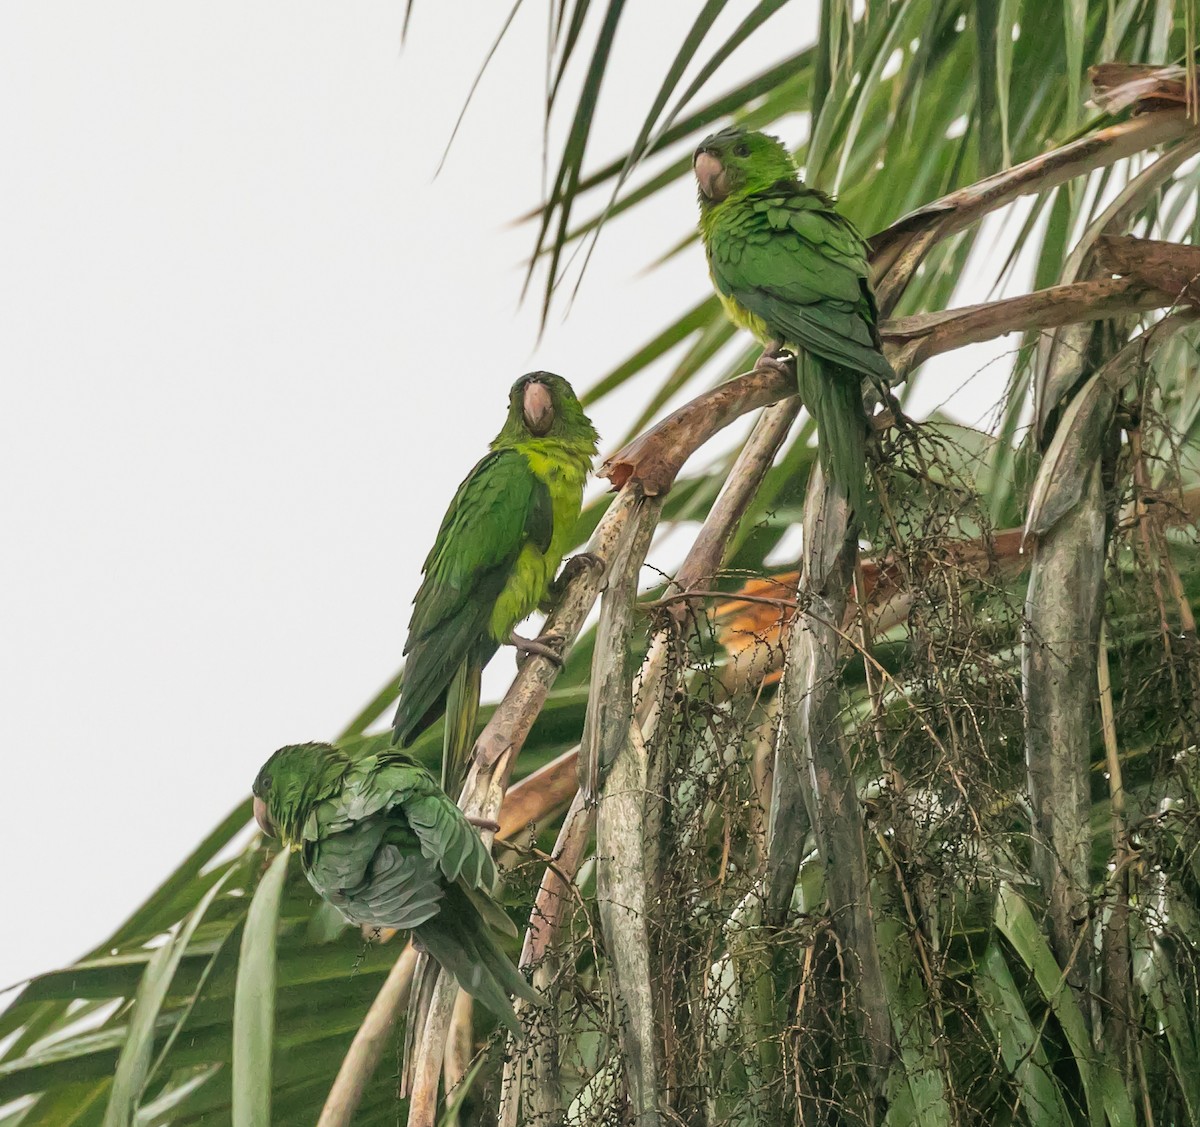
x=249 y=347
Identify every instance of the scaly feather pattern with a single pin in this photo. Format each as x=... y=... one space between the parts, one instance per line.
x=793 y=271
x=382 y=842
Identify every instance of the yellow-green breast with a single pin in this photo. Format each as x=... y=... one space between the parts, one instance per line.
x=564 y=476
x=741 y=316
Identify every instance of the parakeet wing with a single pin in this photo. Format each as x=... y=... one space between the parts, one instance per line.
x=447 y=838
x=373 y=881
x=501 y=507
x=451 y=841
x=802 y=268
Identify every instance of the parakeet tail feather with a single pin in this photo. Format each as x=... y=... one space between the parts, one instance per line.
x=833 y=397
x=480 y=967
x=462 y=710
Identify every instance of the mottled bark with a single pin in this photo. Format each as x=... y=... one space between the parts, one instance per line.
x=625 y=848
x=813 y=769
x=1062 y=614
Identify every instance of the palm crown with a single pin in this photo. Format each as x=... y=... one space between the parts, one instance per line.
x=960 y=881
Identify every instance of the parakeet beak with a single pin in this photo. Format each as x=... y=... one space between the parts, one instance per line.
x=710 y=175
x=263 y=818
x=538 y=407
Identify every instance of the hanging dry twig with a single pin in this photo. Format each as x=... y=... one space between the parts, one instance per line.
x=752 y=621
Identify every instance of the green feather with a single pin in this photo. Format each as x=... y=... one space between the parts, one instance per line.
x=389 y=848
x=834 y=397
x=462 y=708
x=491 y=565
x=792 y=270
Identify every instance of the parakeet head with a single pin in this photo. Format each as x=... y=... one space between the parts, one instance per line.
x=738 y=162
x=291 y=782
x=543 y=405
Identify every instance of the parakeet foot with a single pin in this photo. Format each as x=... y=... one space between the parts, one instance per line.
x=549 y=646
x=579 y=563
x=484 y=824
x=778 y=358
x=576 y=565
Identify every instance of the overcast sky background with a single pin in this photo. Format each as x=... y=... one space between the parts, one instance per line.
x=248 y=348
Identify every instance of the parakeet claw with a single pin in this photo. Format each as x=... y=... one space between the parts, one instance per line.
x=577 y=564
x=777 y=358
x=484 y=824
x=549 y=646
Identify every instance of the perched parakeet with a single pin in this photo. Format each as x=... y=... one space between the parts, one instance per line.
x=493 y=562
x=794 y=272
x=385 y=845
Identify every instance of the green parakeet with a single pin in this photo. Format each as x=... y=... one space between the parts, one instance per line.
x=384 y=844
x=493 y=562
x=794 y=272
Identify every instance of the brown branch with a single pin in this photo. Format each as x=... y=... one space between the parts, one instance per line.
x=897 y=251
x=619 y=780
x=655 y=458
x=460 y=1048
x=813 y=781
x=1116 y=978
x=1173 y=267
x=547 y=915
x=910 y=341
x=545 y=922
x=539 y=796
x=1062 y=616
x=358 y=1066
x=708 y=549
x=700 y=593
x=1119 y=85
x=422 y=1089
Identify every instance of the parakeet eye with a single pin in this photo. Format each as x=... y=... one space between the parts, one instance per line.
x=742 y=150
